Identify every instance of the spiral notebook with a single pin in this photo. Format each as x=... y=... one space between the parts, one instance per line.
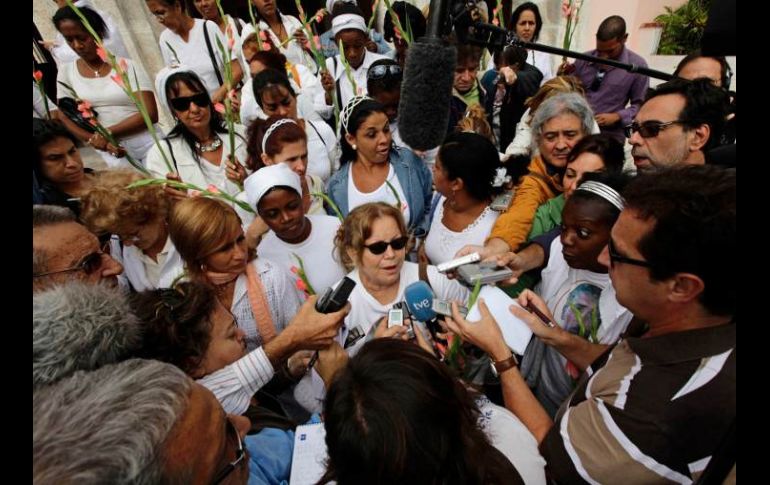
x=309 y=460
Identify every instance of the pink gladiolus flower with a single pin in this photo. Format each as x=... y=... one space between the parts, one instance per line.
x=397 y=32
x=294 y=270
x=232 y=94
x=220 y=108
x=495 y=21
x=38 y=75
x=193 y=193
x=84 y=105
x=92 y=121
x=262 y=35
x=266 y=46
x=229 y=30
x=118 y=80
x=566 y=9
x=230 y=43
x=317 y=42
x=123 y=65
x=301 y=285
x=213 y=189
x=102 y=53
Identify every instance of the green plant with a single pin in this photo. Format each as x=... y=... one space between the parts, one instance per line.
x=683 y=27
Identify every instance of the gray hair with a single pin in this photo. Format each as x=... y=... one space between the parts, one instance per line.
x=563 y=103
x=46 y=215
x=109 y=425
x=79 y=326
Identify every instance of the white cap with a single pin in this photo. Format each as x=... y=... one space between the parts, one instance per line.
x=348 y=21
x=260 y=182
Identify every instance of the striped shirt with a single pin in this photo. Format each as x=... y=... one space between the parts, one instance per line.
x=235 y=384
x=650 y=410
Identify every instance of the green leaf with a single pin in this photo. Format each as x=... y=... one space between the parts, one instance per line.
x=474 y=294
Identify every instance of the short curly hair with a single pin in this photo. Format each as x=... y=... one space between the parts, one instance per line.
x=110 y=208
x=357 y=227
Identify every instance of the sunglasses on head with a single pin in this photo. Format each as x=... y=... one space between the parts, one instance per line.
x=648 y=129
x=381 y=246
x=183 y=103
x=378 y=72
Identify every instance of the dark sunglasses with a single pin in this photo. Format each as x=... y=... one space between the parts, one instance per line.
x=616 y=257
x=381 y=246
x=597 y=82
x=89 y=265
x=378 y=72
x=648 y=129
x=201 y=100
x=239 y=454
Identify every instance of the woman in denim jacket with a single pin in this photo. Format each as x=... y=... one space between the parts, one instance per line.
x=374 y=170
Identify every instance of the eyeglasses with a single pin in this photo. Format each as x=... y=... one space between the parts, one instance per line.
x=381 y=246
x=648 y=129
x=89 y=265
x=616 y=257
x=597 y=82
x=239 y=454
x=183 y=103
x=377 y=72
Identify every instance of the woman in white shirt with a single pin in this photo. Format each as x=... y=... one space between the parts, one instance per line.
x=198 y=148
x=92 y=79
x=193 y=42
x=281 y=28
x=208 y=11
x=527 y=23
x=301 y=244
x=461 y=214
x=208 y=235
x=137 y=219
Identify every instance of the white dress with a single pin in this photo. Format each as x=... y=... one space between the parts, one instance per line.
x=442 y=243
x=112 y=106
x=113 y=42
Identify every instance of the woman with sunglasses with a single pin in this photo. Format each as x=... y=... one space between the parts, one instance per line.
x=301 y=244
x=276 y=97
x=91 y=78
x=137 y=219
x=194 y=43
x=374 y=170
x=198 y=147
x=372 y=244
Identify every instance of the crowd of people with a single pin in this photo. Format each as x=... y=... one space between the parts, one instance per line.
x=177 y=336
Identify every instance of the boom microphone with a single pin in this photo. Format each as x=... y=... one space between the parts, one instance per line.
x=426 y=90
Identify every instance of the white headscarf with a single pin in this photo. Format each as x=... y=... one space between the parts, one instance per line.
x=330 y=4
x=162 y=77
x=348 y=21
x=260 y=182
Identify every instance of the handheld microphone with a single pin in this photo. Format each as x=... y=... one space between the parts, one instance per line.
x=332 y=301
x=419 y=298
x=426 y=90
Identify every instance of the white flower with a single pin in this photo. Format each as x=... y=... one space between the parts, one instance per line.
x=501 y=177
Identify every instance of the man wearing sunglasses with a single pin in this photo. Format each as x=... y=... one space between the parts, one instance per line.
x=64 y=250
x=679 y=121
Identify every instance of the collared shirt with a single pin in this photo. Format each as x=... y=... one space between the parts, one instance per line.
x=152 y=267
x=651 y=410
x=618 y=88
x=233 y=385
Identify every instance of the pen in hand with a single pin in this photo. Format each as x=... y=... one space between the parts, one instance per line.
x=533 y=309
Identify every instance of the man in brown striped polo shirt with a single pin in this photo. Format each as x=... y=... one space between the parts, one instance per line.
x=655 y=407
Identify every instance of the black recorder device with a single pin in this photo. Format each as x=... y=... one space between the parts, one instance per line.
x=335 y=298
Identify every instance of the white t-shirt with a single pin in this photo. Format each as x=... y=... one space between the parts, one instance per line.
x=292 y=50
x=113 y=41
x=38 y=104
x=442 y=243
x=359 y=76
x=307 y=97
x=111 y=103
x=194 y=53
x=317 y=253
x=145 y=274
x=323 y=158
x=382 y=194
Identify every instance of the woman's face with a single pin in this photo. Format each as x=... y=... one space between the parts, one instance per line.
x=279 y=102
x=526 y=25
x=145 y=235
x=584 y=234
x=292 y=154
x=60 y=162
x=266 y=8
x=170 y=16
x=381 y=270
x=354 y=45
x=372 y=138
x=207 y=9
x=231 y=256
x=441 y=178
x=79 y=40
x=584 y=163
x=195 y=116
x=227 y=343
x=282 y=211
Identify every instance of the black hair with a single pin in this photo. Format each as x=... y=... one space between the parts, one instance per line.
x=193 y=82
x=725 y=73
x=388 y=82
x=267 y=78
x=693 y=212
x=704 y=104
x=473 y=159
x=409 y=16
x=468 y=54
x=45 y=131
x=96 y=20
x=395 y=414
x=615 y=180
x=606 y=147
x=613 y=27
x=360 y=113
x=523 y=8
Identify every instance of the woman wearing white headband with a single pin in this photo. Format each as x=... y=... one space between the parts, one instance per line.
x=302 y=244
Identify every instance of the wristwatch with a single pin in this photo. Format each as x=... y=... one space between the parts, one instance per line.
x=503 y=365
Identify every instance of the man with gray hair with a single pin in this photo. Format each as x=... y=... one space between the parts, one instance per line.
x=64 y=250
x=139 y=422
x=558 y=124
x=80 y=326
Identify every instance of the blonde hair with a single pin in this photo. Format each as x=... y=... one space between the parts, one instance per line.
x=199 y=227
x=357 y=228
x=552 y=87
x=110 y=208
x=475 y=121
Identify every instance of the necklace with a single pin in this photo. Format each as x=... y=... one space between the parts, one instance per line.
x=211 y=147
x=96 y=71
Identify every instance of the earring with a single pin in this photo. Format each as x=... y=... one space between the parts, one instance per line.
x=353 y=146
